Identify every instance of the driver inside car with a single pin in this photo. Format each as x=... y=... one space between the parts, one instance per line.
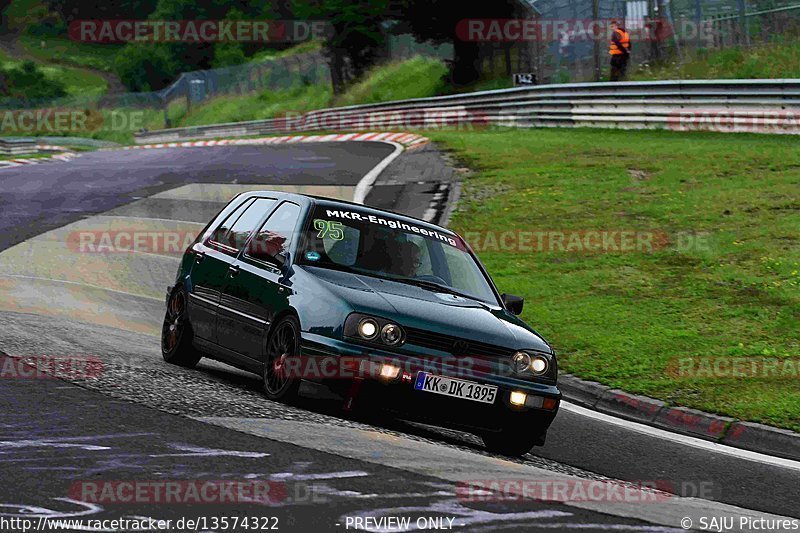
x=407 y=260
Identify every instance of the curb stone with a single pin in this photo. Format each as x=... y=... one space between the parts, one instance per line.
x=717 y=428
x=694 y=422
x=620 y=403
x=408 y=140
x=764 y=439
x=13 y=163
x=585 y=393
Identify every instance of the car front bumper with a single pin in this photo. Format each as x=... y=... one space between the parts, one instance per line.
x=399 y=396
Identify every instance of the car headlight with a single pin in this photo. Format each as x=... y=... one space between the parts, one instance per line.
x=535 y=364
x=391 y=334
x=368 y=328
x=522 y=362
x=539 y=365
x=374 y=329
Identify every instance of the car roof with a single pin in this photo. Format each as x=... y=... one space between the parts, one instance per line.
x=333 y=202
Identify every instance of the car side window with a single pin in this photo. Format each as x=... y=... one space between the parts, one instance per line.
x=234 y=235
x=218 y=235
x=276 y=234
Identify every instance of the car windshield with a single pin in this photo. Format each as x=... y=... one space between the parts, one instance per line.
x=386 y=247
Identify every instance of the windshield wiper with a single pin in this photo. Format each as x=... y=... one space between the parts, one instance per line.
x=433 y=286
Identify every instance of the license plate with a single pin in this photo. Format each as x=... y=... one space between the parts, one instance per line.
x=455 y=388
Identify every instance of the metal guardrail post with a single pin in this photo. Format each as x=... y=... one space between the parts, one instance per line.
x=165 y=104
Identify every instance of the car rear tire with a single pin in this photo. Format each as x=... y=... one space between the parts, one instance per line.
x=512 y=442
x=283 y=343
x=176 y=332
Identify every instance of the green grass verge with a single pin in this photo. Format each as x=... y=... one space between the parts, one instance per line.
x=76 y=82
x=414 y=78
x=258 y=106
x=63 y=50
x=622 y=318
x=301 y=48
x=5 y=157
x=776 y=60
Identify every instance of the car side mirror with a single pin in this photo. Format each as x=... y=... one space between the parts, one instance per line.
x=513 y=303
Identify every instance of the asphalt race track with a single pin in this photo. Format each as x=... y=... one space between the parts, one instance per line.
x=141 y=419
x=42 y=197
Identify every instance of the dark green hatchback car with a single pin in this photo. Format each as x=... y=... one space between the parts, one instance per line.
x=388 y=311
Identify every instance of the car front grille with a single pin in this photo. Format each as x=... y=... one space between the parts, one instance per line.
x=455 y=345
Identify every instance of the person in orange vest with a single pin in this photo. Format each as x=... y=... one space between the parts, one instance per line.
x=620 y=51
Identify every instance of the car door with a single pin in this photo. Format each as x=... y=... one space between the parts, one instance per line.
x=212 y=258
x=254 y=291
x=234 y=240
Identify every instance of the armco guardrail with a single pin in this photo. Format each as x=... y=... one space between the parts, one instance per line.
x=19 y=146
x=763 y=106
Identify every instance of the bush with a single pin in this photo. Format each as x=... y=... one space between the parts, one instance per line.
x=48 y=27
x=145 y=67
x=228 y=55
x=27 y=82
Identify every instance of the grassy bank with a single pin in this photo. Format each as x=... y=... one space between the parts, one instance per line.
x=776 y=60
x=414 y=78
x=727 y=283
x=6 y=157
x=76 y=82
x=63 y=50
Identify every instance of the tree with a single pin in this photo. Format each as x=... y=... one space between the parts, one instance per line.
x=435 y=21
x=357 y=39
x=153 y=66
x=108 y=9
x=3 y=21
x=146 y=67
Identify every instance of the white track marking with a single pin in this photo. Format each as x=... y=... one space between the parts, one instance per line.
x=364 y=186
x=79 y=284
x=314 y=477
x=682 y=439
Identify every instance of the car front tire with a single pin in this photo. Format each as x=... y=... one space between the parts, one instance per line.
x=176 y=332
x=283 y=344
